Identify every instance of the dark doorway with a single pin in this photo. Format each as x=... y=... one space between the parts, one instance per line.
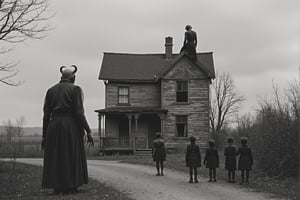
x=154 y=127
x=123 y=126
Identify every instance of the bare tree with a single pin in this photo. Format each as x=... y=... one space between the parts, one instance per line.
x=225 y=102
x=293 y=95
x=20 y=130
x=20 y=20
x=8 y=132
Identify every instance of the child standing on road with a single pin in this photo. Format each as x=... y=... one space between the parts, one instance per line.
x=211 y=160
x=245 y=160
x=159 y=154
x=193 y=159
x=230 y=160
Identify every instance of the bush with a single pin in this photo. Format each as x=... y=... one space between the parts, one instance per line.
x=274 y=135
x=275 y=140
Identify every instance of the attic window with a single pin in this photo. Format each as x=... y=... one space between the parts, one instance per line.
x=123 y=95
x=181 y=91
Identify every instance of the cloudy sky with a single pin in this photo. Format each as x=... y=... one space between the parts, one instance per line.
x=256 y=41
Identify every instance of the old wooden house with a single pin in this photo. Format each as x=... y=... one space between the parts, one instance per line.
x=149 y=93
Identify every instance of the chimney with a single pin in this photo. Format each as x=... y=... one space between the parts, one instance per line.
x=169 y=46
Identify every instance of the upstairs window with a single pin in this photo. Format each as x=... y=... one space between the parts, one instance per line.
x=181 y=91
x=181 y=125
x=123 y=95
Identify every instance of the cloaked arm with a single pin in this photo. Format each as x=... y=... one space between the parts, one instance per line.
x=217 y=155
x=199 y=154
x=46 y=119
x=187 y=153
x=79 y=113
x=185 y=39
x=205 y=158
x=251 y=157
x=79 y=110
x=164 y=150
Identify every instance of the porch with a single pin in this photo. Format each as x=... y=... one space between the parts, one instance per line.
x=128 y=130
x=121 y=145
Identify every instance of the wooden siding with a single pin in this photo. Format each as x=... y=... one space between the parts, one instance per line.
x=140 y=94
x=197 y=107
x=185 y=69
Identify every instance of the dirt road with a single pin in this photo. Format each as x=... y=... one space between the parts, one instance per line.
x=141 y=183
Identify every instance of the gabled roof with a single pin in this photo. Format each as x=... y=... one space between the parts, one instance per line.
x=146 y=67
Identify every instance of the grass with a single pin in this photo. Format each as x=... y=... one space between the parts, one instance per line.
x=282 y=188
x=24 y=182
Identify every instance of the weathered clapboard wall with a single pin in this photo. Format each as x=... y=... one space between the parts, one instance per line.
x=145 y=95
x=141 y=94
x=197 y=107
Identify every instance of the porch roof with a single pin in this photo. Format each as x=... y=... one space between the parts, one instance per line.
x=117 y=110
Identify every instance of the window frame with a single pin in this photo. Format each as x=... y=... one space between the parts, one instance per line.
x=182 y=91
x=178 y=122
x=128 y=95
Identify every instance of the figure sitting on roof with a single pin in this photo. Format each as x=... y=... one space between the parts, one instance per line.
x=190 y=42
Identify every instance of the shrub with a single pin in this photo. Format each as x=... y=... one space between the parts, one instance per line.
x=274 y=134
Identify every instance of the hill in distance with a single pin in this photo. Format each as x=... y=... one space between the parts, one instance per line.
x=37 y=130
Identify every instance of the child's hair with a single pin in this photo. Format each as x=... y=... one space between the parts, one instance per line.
x=244 y=140
x=192 y=138
x=230 y=140
x=158 y=135
x=211 y=142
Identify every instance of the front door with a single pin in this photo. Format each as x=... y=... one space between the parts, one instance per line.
x=123 y=127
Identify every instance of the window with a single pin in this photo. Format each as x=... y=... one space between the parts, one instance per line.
x=123 y=95
x=181 y=91
x=181 y=125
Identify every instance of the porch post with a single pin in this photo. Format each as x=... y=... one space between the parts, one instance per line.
x=136 y=117
x=99 y=129
x=131 y=136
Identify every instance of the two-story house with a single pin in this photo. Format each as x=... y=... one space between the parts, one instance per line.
x=149 y=93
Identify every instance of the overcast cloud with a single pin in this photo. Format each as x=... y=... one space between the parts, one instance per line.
x=256 y=41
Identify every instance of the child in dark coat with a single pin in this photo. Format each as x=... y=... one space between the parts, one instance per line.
x=245 y=160
x=159 y=154
x=211 y=160
x=193 y=159
x=230 y=160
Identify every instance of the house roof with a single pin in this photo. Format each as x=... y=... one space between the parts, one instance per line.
x=145 y=67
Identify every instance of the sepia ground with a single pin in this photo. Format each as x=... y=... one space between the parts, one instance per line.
x=140 y=183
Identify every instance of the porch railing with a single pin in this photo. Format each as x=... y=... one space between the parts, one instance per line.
x=114 y=142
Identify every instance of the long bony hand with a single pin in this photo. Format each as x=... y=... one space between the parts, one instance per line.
x=90 y=140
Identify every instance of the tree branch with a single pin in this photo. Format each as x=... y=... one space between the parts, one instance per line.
x=21 y=20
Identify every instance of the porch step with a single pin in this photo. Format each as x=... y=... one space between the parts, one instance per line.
x=143 y=152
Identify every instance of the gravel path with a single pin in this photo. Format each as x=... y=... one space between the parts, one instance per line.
x=140 y=183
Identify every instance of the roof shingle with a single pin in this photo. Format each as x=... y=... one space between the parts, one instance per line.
x=143 y=67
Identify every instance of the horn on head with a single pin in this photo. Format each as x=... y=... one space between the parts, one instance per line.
x=75 y=68
x=61 y=69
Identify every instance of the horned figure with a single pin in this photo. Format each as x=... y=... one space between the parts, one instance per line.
x=68 y=73
x=64 y=127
